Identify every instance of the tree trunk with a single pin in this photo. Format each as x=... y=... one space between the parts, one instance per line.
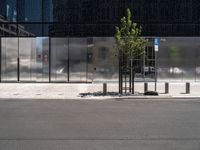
x=132 y=72
x=133 y=82
x=120 y=72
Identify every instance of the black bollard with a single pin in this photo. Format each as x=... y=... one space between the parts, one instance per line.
x=104 y=88
x=166 y=88
x=145 y=87
x=187 y=88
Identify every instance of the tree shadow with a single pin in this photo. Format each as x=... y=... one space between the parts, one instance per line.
x=112 y=94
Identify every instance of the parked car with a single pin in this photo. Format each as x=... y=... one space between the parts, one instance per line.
x=176 y=70
x=149 y=70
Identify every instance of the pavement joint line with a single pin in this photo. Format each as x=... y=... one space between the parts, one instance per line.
x=101 y=139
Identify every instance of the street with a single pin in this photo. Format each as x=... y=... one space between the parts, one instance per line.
x=100 y=125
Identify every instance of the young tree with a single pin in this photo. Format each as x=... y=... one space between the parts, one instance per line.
x=129 y=45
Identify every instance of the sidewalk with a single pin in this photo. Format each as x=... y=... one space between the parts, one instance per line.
x=72 y=91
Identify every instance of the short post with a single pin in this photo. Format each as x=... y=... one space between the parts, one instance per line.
x=104 y=88
x=166 y=88
x=145 y=87
x=187 y=88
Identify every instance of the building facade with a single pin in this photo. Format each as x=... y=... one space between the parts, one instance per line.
x=72 y=40
x=83 y=18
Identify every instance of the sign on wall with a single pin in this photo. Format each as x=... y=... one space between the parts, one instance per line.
x=156 y=42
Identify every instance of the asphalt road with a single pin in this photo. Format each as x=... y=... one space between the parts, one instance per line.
x=99 y=125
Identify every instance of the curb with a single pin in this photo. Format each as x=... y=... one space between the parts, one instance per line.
x=103 y=98
x=161 y=98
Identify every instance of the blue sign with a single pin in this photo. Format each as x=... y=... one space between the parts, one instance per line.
x=156 y=41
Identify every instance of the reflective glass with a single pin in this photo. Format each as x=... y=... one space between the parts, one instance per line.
x=59 y=59
x=30 y=10
x=170 y=21
x=27 y=53
x=147 y=67
x=8 y=29
x=9 y=60
x=30 y=30
x=102 y=59
x=178 y=58
x=8 y=10
x=47 y=10
x=77 y=59
x=55 y=30
x=42 y=59
x=47 y=30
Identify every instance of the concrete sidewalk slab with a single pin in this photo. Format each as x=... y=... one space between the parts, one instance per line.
x=72 y=91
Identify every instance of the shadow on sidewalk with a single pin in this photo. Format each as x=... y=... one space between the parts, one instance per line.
x=112 y=94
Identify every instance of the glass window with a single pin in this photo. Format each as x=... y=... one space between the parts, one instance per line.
x=8 y=30
x=56 y=30
x=8 y=10
x=30 y=30
x=30 y=10
x=47 y=11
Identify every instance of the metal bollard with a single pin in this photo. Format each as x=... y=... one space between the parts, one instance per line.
x=166 y=88
x=104 y=88
x=145 y=87
x=187 y=88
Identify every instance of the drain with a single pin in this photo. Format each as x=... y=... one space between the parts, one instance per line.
x=16 y=94
x=61 y=94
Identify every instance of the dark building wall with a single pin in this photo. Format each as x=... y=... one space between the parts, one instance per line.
x=157 y=17
x=99 y=17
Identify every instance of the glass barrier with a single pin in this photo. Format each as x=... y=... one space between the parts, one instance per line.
x=103 y=59
x=59 y=59
x=9 y=59
x=178 y=58
x=95 y=59
x=77 y=59
x=27 y=61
